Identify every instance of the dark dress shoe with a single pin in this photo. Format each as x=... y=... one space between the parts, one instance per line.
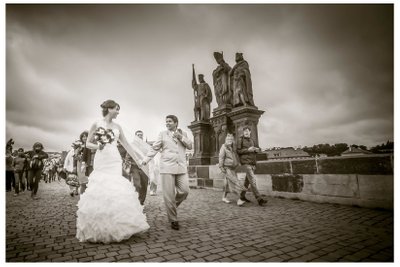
x=245 y=199
x=175 y=225
x=262 y=202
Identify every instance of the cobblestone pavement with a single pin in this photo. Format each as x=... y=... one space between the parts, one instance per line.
x=211 y=231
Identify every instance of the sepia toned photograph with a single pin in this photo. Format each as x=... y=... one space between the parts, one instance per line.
x=182 y=132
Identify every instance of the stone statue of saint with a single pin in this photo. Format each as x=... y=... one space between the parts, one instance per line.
x=240 y=80
x=197 y=108
x=222 y=89
x=203 y=98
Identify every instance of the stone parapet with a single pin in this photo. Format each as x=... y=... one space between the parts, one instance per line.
x=367 y=183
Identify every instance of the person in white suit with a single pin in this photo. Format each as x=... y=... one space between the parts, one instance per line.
x=172 y=145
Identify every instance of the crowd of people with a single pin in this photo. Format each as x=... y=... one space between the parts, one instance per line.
x=232 y=155
x=112 y=175
x=25 y=169
x=78 y=165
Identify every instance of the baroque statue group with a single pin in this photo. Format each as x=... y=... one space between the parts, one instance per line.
x=232 y=86
x=233 y=92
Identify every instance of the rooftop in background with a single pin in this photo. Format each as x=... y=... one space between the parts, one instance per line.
x=352 y=151
x=286 y=153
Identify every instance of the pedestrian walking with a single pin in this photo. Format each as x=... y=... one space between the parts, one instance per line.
x=172 y=145
x=82 y=156
x=19 y=165
x=71 y=172
x=36 y=157
x=247 y=153
x=139 y=178
x=228 y=162
x=9 y=170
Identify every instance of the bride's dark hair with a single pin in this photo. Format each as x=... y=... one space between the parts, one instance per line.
x=108 y=104
x=84 y=133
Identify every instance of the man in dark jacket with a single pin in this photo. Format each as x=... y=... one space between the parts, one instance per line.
x=36 y=157
x=140 y=179
x=247 y=153
x=134 y=172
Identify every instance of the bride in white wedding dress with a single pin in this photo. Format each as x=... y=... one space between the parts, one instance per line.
x=109 y=210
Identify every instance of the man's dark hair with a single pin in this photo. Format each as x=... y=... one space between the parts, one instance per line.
x=173 y=117
x=38 y=144
x=138 y=131
x=246 y=127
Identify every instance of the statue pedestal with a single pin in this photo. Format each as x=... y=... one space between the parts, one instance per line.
x=203 y=142
x=246 y=116
x=223 y=109
x=221 y=124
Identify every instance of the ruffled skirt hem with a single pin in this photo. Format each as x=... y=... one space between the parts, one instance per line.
x=109 y=210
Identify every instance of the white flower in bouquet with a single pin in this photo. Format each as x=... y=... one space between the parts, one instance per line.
x=104 y=136
x=110 y=135
x=101 y=130
x=104 y=139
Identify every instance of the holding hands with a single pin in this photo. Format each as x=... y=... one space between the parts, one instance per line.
x=144 y=161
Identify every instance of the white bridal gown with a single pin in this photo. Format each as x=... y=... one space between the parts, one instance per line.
x=109 y=210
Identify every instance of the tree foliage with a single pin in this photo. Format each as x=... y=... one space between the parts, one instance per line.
x=383 y=147
x=327 y=149
x=339 y=148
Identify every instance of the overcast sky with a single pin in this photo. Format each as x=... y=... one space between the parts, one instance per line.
x=322 y=73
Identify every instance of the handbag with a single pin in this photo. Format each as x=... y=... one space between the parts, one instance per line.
x=72 y=180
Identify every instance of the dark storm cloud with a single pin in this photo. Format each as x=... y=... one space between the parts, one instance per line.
x=323 y=73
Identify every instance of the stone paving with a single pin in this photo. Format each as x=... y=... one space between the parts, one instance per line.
x=285 y=230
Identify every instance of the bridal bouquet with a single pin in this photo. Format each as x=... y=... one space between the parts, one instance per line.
x=104 y=136
x=78 y=149
x=77 y=144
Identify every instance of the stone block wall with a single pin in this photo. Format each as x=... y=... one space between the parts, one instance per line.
x=365 y=181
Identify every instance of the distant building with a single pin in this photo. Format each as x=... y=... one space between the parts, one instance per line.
x=54 y=154
x=386 y=150
x=286 y=153
x=353 y=151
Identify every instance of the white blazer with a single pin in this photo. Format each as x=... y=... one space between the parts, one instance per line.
x=173 y=156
